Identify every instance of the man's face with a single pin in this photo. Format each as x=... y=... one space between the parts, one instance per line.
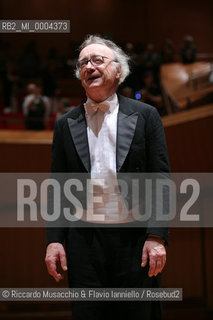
x=104 y=76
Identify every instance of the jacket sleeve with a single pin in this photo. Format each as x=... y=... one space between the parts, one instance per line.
x=55 y=232
x=158 y=164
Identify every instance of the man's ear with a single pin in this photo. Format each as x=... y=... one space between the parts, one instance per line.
x=118 y=72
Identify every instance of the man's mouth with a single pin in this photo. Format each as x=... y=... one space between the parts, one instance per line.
x=93 y=78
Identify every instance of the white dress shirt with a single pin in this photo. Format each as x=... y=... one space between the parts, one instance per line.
x=105 y=199
x=102 y=131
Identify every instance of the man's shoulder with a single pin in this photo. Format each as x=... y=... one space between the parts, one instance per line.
x=131 y=105
x=73 y=114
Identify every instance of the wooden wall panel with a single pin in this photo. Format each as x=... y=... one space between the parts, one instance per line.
x=184 y=263
x=190 y=145
x=25 y=157
x=208 y=240
x=23 y=259
x=126 y=20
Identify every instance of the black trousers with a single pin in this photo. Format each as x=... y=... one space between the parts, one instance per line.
x=109 y=258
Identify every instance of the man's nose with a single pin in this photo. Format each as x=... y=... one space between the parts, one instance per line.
x=89 y=66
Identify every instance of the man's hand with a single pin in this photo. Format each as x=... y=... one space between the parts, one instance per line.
x=155 y=251
x=55 y=252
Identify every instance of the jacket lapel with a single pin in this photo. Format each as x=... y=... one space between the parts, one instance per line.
x=78 y=130
x=126 y=125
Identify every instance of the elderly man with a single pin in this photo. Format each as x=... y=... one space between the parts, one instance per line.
x=109 y=134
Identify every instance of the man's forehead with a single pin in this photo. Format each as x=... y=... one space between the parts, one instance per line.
x=96 y=49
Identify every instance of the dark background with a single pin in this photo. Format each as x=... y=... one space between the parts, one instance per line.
x=190 y=261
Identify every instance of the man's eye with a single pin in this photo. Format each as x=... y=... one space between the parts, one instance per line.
x=83 y=63
x=98 y=60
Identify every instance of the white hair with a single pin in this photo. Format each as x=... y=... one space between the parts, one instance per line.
x=120 y=56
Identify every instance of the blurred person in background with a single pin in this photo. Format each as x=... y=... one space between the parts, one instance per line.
x=188 y=52
x=50 y=84
x=10 y=83
x=131 y=80
x=151 y=93
x=130 y=51
x=35 y=108
x=151 y=61
x=29 y=61
x=31 y=90
x=167 y=52
x=64 y=107
x=127 y=92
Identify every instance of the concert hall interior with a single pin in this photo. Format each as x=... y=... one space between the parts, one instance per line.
x=171 y=59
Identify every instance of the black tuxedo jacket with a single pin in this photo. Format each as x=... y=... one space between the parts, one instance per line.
x=141 y=147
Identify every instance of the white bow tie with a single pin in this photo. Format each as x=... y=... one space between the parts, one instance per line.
x=92 y=107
